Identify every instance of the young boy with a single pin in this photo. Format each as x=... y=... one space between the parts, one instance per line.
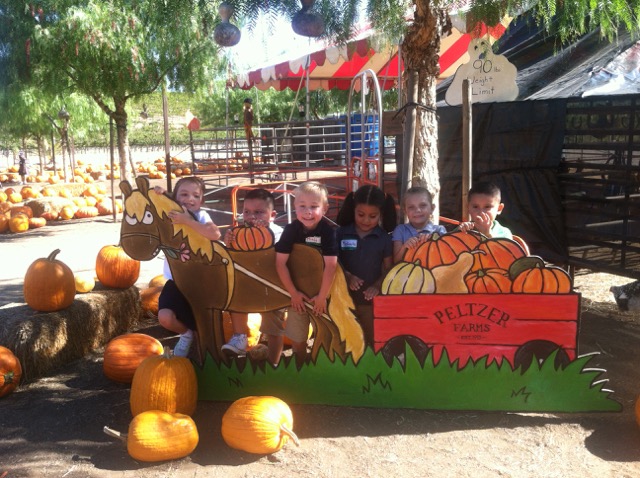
x=485 y=204
x=310 y=228
x=258 y=211
x=174 y=312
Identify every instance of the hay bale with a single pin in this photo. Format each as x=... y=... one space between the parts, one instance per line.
x=44 y=341
x=47 y=204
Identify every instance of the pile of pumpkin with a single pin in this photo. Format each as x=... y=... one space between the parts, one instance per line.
x=158 y=169
x=163 y=397
x=462 y=263
x=17 y=216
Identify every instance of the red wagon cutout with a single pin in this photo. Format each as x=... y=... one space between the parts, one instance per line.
x=513 y=327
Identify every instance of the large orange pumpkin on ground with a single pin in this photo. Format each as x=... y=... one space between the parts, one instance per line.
x=49 y=284
x=10 y=371
x=164 y=382
x=125 y=353
x=441 y=250
x=258 y=425
x=115 y=268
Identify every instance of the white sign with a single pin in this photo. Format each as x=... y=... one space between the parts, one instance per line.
x=492 y=77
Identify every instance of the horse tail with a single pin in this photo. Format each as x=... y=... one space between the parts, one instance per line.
x=340 y=310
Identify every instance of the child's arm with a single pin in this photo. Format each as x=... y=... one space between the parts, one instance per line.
x=297 y=297
x=207 y=229
x=353 y=280
x=399 y=249
x=374 y=289
x=320 y=300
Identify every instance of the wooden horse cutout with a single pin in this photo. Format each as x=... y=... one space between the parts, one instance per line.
x=214 y=278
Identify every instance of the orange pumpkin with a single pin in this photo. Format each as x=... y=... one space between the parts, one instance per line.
x=248 y=238
x=10 y=371
x=125 y=353
x=488 y=281
x=67 y=212
x=19 y=223
x=531 y=276
x=149 y=298
x=51 y=215
x=4 y=223
x=497 y=253
x=22 y=210
x=115 y=268
x=164 y=382
x=14 y=198
x=86 y=211
x=441 y=250
x=158 y=281
x=49 y=284
x=36 y=222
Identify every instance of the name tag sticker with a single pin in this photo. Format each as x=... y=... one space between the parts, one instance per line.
x=349 y=244
x=313 y=240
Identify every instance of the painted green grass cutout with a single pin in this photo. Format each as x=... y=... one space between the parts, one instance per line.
x=442 y=386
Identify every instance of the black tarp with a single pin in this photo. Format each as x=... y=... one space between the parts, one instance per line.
x=517 y=145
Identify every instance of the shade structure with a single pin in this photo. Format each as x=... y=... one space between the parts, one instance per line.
x=335 y=66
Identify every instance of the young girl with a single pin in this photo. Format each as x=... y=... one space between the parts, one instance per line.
x=418 y=207
x=174 y=312
x=365 y=248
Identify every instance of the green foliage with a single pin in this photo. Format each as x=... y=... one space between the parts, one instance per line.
x=373 y=383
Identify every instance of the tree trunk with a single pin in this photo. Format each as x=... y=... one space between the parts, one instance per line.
x=120 y=119
x=421 y=47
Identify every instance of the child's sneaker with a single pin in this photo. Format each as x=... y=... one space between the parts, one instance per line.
x=237 y=344
x=183 y=345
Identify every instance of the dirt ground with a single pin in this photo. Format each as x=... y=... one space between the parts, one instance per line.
x=52 y=427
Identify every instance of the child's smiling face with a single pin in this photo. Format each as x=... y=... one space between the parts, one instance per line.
x=190 y=196
x=419 y=209
x=309 y=209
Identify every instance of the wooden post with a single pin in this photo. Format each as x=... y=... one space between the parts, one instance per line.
x=167 y=144
x=467 y=149
x=111 y=166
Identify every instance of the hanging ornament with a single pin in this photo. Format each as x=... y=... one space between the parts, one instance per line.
x=226 y=34
x=306 y=23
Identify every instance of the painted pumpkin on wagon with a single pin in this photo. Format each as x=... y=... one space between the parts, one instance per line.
x=408 y=278
x=441 y=250
x=531 y=275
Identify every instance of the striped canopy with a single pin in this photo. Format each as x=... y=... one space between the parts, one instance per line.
x=335 y=66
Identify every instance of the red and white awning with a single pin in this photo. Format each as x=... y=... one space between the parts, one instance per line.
x=335 y=66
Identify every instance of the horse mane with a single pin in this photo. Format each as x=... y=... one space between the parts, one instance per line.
x=136 y=204
x=197 y=242
x=341 y=312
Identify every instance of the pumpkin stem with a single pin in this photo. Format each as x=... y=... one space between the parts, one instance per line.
x=287 y=431
x=115 y=433
x=53 y=255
